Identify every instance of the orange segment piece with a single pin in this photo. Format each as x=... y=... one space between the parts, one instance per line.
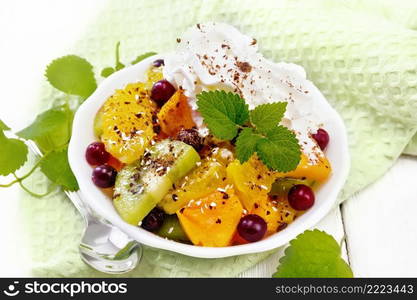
x=251 y=179
x=176 y=114
x=276 y=213
x=211 y=221
x=127 y=123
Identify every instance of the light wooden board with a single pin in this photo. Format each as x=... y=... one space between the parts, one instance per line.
x=381 y=224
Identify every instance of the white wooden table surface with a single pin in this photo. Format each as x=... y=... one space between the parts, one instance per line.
x=378 y=226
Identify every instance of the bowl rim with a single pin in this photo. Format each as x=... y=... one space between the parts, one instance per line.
x=89 y=192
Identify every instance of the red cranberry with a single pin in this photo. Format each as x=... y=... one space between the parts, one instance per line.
x=301 y=197
x=96 y=154
x=104 y=176
x=322 y=138
x=154 y=220
x=159 y=62
x=252 y=228
x=161 y=91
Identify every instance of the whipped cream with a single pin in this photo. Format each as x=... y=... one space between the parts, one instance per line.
x=217 y=56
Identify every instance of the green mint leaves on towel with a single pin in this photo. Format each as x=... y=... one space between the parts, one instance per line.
x=51 y=130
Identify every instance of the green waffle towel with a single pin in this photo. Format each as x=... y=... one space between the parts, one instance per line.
x=361 y=54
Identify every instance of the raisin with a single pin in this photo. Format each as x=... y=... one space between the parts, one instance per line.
x=191 y=137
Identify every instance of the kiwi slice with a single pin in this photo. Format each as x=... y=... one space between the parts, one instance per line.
x=171 y=229
x=98 y=123
x=282 y=185
x=141 y=185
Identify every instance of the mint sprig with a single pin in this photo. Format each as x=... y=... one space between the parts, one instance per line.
x=56 y=167
x=141 y=57
x=13 y=152
x=246 y=144
x=51 y=129
x=313 y=254
x=3 y=126
x=223 y=112
x=227 y=116
x=264 y=117
x=279 y=149
x=107 y=71
x=72 y=75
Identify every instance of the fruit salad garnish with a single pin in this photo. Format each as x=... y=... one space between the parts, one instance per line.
x=218 y=147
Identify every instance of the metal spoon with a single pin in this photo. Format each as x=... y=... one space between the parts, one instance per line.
x=103 y=246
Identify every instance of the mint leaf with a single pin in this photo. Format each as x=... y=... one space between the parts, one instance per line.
x=119 y=64
x=223 y=112
x=50 y=130
x=279 y=150
x=226 y=113
x=106 y=72
x=56 y=167
x=313 y=254
x=13 y=153
x=141 y=57
x=3 y=126
x=267 y=116
x=72 y=75
x=246 y=144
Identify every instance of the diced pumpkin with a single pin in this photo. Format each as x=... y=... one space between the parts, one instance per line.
x=127 y=123
x=203 y=180
x=318 y=172
x=276 y=213
x=175 y=114
x=211 y=221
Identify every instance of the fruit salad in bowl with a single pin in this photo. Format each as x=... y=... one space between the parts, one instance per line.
x=211 y=150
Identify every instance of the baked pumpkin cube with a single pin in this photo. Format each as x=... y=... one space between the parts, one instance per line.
x=176 y=114
x=211 y=221
x=318 y=171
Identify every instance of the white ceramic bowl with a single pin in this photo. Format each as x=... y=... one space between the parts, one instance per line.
x=101 y=204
